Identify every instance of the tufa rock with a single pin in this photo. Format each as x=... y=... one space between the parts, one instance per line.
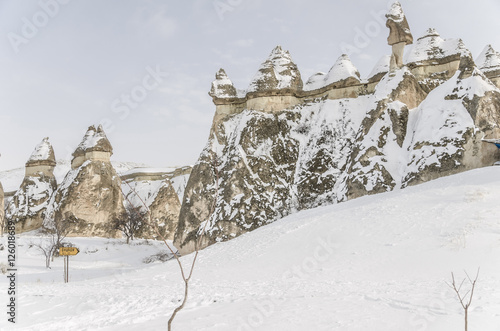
x=90 y=195
x=398 y=26
x=94 y=146
x=2 y=210
x=222 y=87
x=162 y=201
x=28 y=206
x=277 y=73
x=399 y=35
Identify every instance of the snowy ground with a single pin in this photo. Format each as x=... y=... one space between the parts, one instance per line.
x=374 y=263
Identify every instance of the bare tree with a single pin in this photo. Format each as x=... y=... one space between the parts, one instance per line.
x=465 y=299
x=130 y=222
x=53 y=239
x=186 y=277
x=47 y=246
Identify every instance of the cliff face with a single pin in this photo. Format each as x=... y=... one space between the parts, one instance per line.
x=420 y=122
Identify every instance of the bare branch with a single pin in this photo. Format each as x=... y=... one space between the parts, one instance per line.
x=197 y=243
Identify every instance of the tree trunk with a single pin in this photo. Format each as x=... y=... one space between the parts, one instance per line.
x=466 y=318
x=186 y=284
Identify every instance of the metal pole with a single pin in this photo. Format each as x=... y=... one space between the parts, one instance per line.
x=64 y=271
x=67 y=272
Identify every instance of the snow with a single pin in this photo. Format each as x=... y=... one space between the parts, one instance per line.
x=220 y=84
x=396 y=12
x=488 y=60
x=375 y=263
x=439 y=123
x=43 y=151
x=280 y=62
x=142 y=192
x=92 y=138
x=382 y=66
x=342 y=69
x=147 y=171
x=315 y=82
x=431 y=46
x=389 y=83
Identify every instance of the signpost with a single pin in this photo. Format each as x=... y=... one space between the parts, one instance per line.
x=67 y=251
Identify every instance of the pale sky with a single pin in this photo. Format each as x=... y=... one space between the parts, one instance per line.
x=144 y=68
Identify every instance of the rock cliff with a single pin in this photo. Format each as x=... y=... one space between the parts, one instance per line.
x=340 y=136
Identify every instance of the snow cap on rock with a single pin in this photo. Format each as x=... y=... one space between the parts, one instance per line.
x=94 y=140
x=222 y=86
x=43 y=154
x=278 y=72
x=341 y=70
x=315 y=82
x=432 y=47
x=381 y=68
x=489 y=59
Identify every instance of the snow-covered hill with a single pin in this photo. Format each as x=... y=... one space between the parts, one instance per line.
x=376 y=263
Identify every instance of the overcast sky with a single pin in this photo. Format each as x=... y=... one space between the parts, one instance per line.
x=77 y=63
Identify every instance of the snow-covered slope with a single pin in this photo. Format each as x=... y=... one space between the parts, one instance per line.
x=376 y=263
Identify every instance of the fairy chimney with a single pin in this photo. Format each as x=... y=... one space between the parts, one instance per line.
x=95 y=146
x=399 y=35
x=42 y=161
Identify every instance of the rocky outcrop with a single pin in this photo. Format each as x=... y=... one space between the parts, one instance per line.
x=89 y=197
x=489 y=63
x=447 y=128
x=2 y=210
x=434 y=60
x=161 y=199
x=94 y=146
x=399 y=34
x=376 y=156
x=342 y=138
x=277 y=73
x=28 y=205
x=381 y=68
x=222 y=86
x=399 y=30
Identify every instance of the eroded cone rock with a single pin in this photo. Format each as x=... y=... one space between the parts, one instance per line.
x=278 y=72
x=28 y=205
x=89 y=196
x=222 y=86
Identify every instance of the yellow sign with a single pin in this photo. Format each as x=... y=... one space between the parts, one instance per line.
x=68 y=251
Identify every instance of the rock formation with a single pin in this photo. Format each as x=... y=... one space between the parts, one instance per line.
x=340 y=137
x=2 y=211
x=89 y=196
x=399 y=35
x=159 y=193
x=489 y=63
x=28 y=205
